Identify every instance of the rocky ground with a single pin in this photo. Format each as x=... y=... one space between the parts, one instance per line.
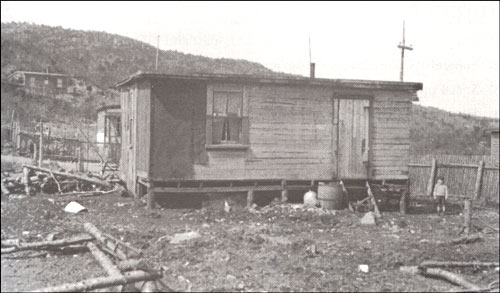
x=278 y=248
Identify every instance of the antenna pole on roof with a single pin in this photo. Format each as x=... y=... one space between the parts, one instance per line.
x=310 y=59
x=403 y=47
x=157 y=49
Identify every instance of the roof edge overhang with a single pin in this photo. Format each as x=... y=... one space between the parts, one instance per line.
x=261 y=79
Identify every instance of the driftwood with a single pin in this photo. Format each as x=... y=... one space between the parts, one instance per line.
x=132 y=265
x=44 y=245
x=441 y=274
x=106 y=263
x=457 y=264
x=107 y=245
x=466 y=240
x=71 y=176
x=103 y=282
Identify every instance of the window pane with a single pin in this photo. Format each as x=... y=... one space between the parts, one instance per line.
x=217 y=127
x=234 y=104
x=220 y=103
x=234 y=129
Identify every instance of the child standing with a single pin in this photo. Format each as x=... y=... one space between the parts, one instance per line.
x=440 y=195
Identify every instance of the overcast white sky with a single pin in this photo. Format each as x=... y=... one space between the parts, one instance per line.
x=456 y=44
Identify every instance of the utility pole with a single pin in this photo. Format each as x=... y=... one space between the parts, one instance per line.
x=157 y=49
x=403 y=47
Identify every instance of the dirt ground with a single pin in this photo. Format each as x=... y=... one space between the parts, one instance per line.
x=269 y=250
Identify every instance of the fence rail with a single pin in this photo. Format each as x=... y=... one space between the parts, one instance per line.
x=464 y=176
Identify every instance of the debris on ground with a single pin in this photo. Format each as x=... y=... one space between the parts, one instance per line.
x=75 y=208
x=364 y=268
x=311 y=199
x=368 y=219
x=181 y=237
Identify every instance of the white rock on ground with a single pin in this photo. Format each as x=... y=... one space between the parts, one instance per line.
x=310 y=199
x=368 y=219
x=181 y=237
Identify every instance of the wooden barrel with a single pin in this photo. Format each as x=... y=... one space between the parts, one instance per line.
x=331 y=196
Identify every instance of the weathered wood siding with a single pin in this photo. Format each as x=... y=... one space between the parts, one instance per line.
x=290 y=136
x=124 y=159
x=143 y=126
x=494 y=147
x=390 y=149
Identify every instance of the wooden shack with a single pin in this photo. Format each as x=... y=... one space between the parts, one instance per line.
x=213 y=132
x=495 y=146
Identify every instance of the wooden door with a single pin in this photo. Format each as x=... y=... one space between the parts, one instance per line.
x=353 y=138
x=131 y=143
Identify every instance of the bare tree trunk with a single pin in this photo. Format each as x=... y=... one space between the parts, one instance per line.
x=42 y=245
x=457 y=264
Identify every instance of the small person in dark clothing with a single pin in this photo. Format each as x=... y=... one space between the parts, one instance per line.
x=440 y=195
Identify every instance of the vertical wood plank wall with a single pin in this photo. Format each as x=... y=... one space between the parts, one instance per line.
x=391 y=134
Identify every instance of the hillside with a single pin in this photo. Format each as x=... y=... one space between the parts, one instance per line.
x=103 y=59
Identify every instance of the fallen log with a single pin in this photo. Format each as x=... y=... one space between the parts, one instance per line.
x=44 y=245
x=132 y=265
x=103 y=282
x=107 y=245
x=441 y=274
x=106 y=263
x=71 y=176
x=466 y=240
x=457 y=264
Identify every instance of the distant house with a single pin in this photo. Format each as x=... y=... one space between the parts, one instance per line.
x=495 y=146
x=42 y=83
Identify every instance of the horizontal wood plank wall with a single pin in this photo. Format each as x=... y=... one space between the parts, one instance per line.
x=390 y=149
x=142 y=139
x=178 y=128
x=290 y=136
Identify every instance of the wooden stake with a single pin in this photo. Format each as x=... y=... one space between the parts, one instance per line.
x=26 y=177
x=40 y=152
x=103 y=282
x=373 y=201
x=479 y=180
x=467 y=215
x=432 y=178
x=403 y=203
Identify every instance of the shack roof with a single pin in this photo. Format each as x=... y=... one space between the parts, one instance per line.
x=268 y=79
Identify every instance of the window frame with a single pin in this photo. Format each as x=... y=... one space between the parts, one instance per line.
x=243 y=141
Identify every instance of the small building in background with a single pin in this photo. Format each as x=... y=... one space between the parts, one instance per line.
x=108 y=135
x=109 y=124
x=495 y=146
x=41 y=83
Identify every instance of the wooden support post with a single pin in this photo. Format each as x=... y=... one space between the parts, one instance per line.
x=284 y=192
x=432 y=178
x=376 y=211
x=151 y=196
x=12 y=125
x=467 y=215
x=26 y=179
x=479 y=180
x=250 y=198
x=40 y=152
x=403 y=202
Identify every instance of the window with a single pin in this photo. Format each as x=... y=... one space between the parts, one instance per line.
x=59 y=83
x=32 y=82
x=227 y=117
x=46 y=81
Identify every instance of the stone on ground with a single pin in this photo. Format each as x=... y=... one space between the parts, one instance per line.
x=368 y=219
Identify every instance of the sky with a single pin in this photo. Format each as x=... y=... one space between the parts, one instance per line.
x=455 y=56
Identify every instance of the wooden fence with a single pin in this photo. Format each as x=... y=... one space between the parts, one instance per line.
x=473 y=177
